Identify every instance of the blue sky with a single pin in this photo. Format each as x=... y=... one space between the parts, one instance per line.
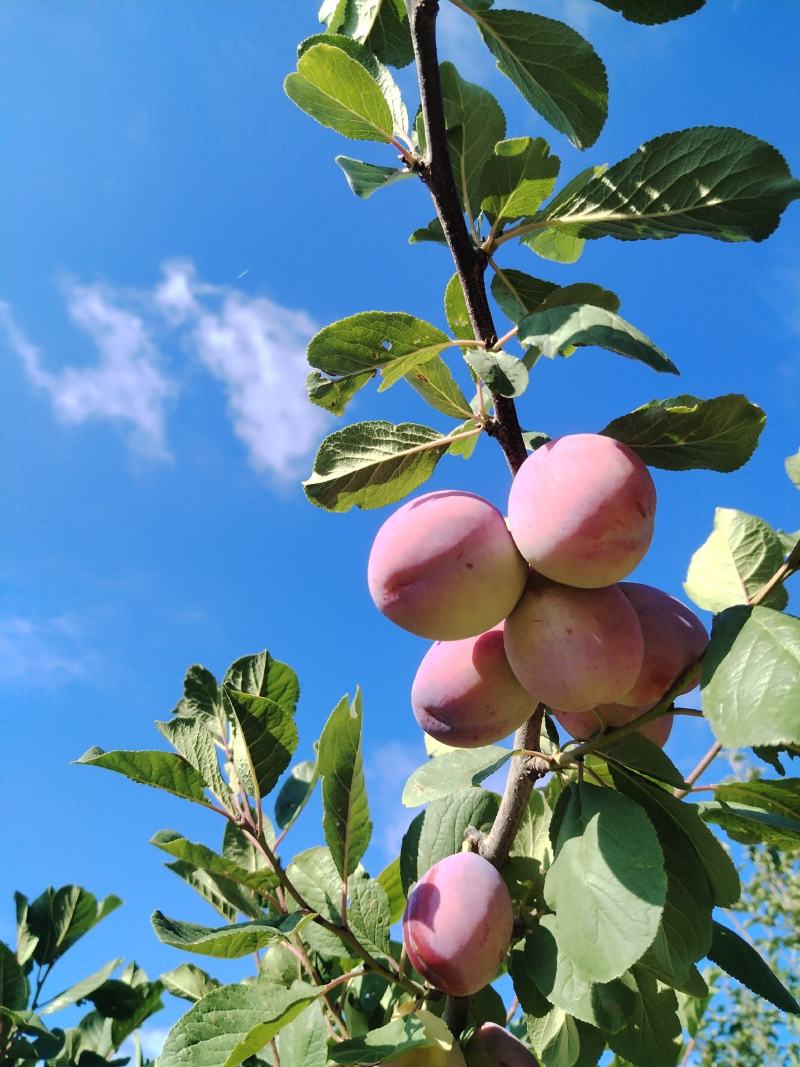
x=173 y=232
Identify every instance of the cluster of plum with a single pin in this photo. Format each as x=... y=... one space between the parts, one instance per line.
x=528 y=611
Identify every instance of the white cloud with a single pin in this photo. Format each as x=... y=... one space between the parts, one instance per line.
x=125 y=385
x=387 y=767
x=43 y=652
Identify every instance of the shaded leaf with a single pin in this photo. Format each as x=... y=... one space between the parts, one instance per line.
x=517 y=178
x=503 y=374
x=346 y=820
x=475 y=122
x=392 y=884
x=518 y=294
x=381 y=1045
x=439 y=830
x=192 y=739
x=741 y=961
x=162 y=770
x=435 y=384
x=199 y=855
x=652 y=1035
x=304 y=1042
x=261 y=675
x=226 y=942
x=80 y=990
x=295 y=792
x=264 y=740
x=189 y=982
x=365 y=179
x=13 y=983
x=368 y=913
x=60 y=917
x=452 y=771
x=652 y=12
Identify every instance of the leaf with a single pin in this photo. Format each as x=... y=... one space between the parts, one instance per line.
x=556 y=70
x=192 y=739
x=582 y=324
x=390 y=37
x=503 y=374
x=652 y=12
x=365 y=179
x=189 y=982
x=431 y=233
x=772 y=754
x=201 y=697
x=204 y=858
x=439 y=830
x=339 y=93
x=13 y=983
x=60 y=917
x=232 y=1023
x=371 y=464
x=652 y=1035
x=381 y=1045
x=456 y=311
x=80 y=990
x=606 y=1006
x=456 y=769
x=368 y=913
x=518 y=294
x=684 y=433
x=266 y=737
x=711 y=181
x=581 y=293
x=554 y=1037
x=345 y=820
x=295 y=792
x=390 y=880
x=263 y=676
x=517 y=178
x=475 y=123
x=162 y=770
x=304 y=1042
x=334 y=394
x=741 y=961
x=226 y=942
x=554 y=244
x=751 y=678
x=641 y=755
x=741 y=554
x=315 y=877
x=792 y=464
x=752 y=826
x=435 y=383
x=606 y=884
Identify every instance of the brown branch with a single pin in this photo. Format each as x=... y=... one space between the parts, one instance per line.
x=705 y=762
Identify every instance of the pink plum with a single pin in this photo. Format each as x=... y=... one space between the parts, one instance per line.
x=674 y=637
x=581 y=510
x=445 y=566
x=492 y=1046
x=457 y=924
x=585 y=724
x=466 y=695
x=574 y=648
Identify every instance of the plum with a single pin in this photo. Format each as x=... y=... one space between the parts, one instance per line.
x=465 y=693
x=445 y=566
x=585 y=724
x=574 y=648
x=581 y=510
x=674 y=638
x=492 y=1046
x=457 y=924
x=430 y=1057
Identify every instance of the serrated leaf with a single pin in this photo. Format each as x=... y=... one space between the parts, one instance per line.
x=204 y=858
x=315 y=877
x=371 y=464
x=751 y=678
x=792 y=464
x=13 y=983
x=346 y=820
x=553 y=330
x=365 y=179
x=224 y=895
x=554 y=1037
x=456 y=311
x=752 y=826
x=390 y=880
x=334 y=394
x=518 y=294
x=652 y=1035
x=390 y=36
x=711 y=181
x=192 y=739
x=435 y=383
x=201 y=696
x=637 y=753
x=162 y=770
x=517 y=178
x=232 y=1023
x=653 y=12
x=559 y=246
x=304 y=1042
x=368 y=913
x=685 y=433
x=439 y=830
x=554 y=67
x=260 y=674
x=772 y=754
x=741 y=961
x=606 y=884
x=474 y=122
x=381 y=1045
x=503 y=374
x=188 y=982
x=452 y=771
x=741 y=554
x=295 y=792
x=338 y=92
x=226 y=942
x=264 y=740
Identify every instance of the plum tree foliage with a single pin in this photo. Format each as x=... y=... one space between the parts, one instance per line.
x=591 y=883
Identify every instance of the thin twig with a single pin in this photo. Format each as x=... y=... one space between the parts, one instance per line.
x=512 y=1011
x=692 y=777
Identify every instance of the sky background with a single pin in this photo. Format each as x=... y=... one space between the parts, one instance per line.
x=173 y=232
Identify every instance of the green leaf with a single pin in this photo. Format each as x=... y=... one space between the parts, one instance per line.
x=204 y=858
x=652 y=12
x=392 y=884
x=641 y=755
x=605 y=1005
x=80 y=990
x=13 y=983
x=232 y=1023
x=606 y=884
x=792 y=464
x=365 y=179
x=772 y=754
x=189 y=982
x=381 y=1045
x=371 y=464
x=741 y=554
x=752 y=826
x=368 y=913
x=554 y=1037
x=751 y=678
x=315 y=877
x=431 y=233
x=162 y=770
x=390 y=37
x=439 y=830
x=295 y=792
x=583 y=324
x=263 y=676
x=265 y=739
x=60 y=917
x=518 y=294
x=201 y=696
x=581 y=293
x=304 y=1042
x=475 y=123
x=435 y=383
x=711 y=181
x=346 y=820
x=456 y=311
x=451 y=772
x=334 y=394
x=780 y=798
x=192 y=739
x=554 y=244
x=226 y=942
x=741 y=961
x=339 y=93
x=652 y=1035
x=517 y=178
x=684 y=433
x=503 y=374
x=556 y=70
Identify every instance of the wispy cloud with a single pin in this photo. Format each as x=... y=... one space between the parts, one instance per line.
x=43 y=652
x=388 y=767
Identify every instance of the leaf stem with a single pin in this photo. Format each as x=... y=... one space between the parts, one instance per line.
x=705 y=762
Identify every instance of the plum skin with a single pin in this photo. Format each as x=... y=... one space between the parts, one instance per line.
x=465 y=693
x=574 y=648
x=492 y=1046
x=430 y=1057
x=457 y=924
x=674 y=638
x=581 y=510
x=585 y=724
x=444 y=566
